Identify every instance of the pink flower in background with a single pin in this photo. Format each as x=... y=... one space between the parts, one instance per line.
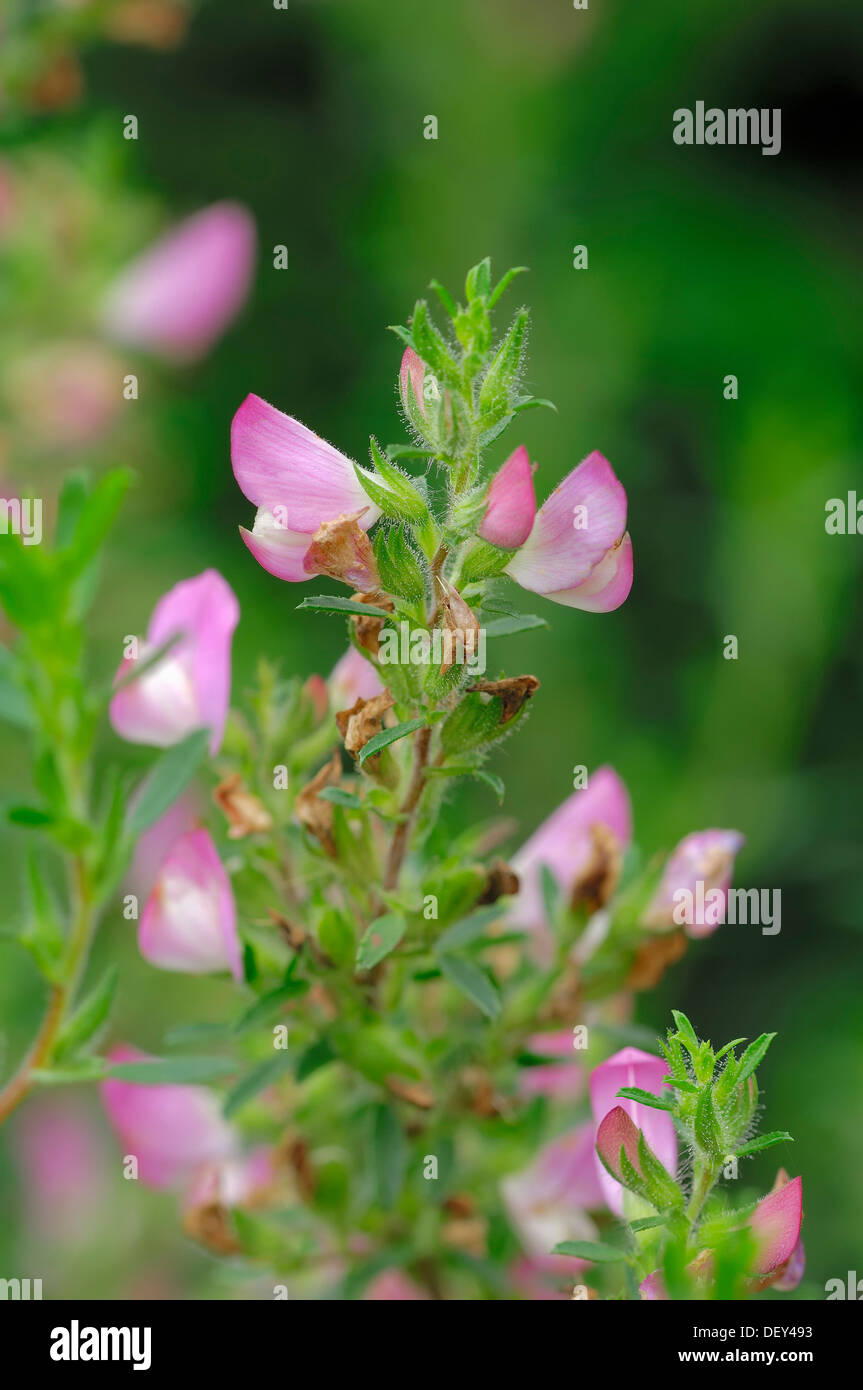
x=69 y=393
x=706 y=857
x=178 y=298
x=171 y=1130
x=190 y=687
x=548 y=1202
x=152 y=846
x=511 y=506
x=562 y=1081
x=392 y=1286
x=244 y=1181
x=564 y=843
x=579 y=552
x=298 y=482
x=631 y=1067
x=351 y=679
x=189 y=922
x=63 y=1167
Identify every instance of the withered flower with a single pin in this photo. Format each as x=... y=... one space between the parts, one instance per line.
x=363 y=720
x=315 y=813
x=514 y=692
x=341 y=549
x=245 y=813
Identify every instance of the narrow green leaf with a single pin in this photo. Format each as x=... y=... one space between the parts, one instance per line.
x=168 y=779
x=508 y=627
x=388 y=736
x=341 y=798
x=469 y=929
x=473 y=982
x=685 y=1028
x=389 y=1155
x=707 y=1131
x=646 y=1098
x=594 y=1250
x=256 y=1080
x=334 y=603
x=764 y=1141
x=88 y=1018
x=379 y=939
x=753 y=1056
x=165 y=1071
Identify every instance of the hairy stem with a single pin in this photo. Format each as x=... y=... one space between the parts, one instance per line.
x=415 y=790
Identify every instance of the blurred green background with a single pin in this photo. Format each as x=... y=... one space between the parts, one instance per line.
x=554 y=130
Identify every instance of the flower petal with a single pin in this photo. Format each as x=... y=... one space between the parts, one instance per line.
x=182 y=293
x=606 y=587
x=775 y=1223
x=278 y=463
x=351 y=679
x=574 y=530
x=632 y=1067
x=511 y=506
x=171 y=1130
x=189 y=922
x=564 y=843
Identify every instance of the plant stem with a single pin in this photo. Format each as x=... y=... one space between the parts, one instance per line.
x=408 y=807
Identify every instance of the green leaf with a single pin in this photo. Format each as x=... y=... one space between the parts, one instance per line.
x=165 y=1071
x=188 y=1034
x=478 y=773
x=315 y=1056
x=472 y=981
x=646 y=1098
x=647 y=1223
x=379 y=939
x=388 y=736
x=269 y=1005
x=508 y=627
x=707 y=1131
x=468 y=930
x=753 y=1056
x=445 y=297
x=256 y=1080
x=88 y=1017
x=334 y=603
x=32 y=817
x=594 y=1250
x=169 y=777
x=88 y=1069
x=389 y=1155
x=685 y=1029
x=335 y=932
x=340 y=797
x=764 y=1141
x=504 y=283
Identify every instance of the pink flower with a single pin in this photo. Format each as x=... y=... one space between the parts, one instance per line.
x=351 y=679
x=189 y=922
x=579 y=552
x=705 y=857
x=392 y=1286
x=298 y=482
x=247 y=1180
x=68 y=392
x=63 y=1167
x=179 y=296
x=630 y=1067
x=564 y=842
x=171 y=1130
x=548 y=1202
x=564 y=1081
x=190 y=687
x=775 y=1224
x=511 y=506
x=153 y=845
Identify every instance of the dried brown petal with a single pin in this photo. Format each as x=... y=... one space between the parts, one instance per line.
x=460 y=622
x=341 y=549
x=363 y=720
x=246 y=814
x=501 y=882
x=653 y=958
x=368 y=630
x=514 y=692
x=411 y=1091
x=314 y=813
x=598 y=879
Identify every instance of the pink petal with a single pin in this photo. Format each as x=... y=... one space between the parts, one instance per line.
x=548 y=1202
x=152 y=847
x=775 y=1223
x=652 y=1288
x=179 y=297
x=566 y=544
x=564 y=843
x=794 y=1270
x=511 y=507
x=351 y=679
x=278 y=551
x=391 y=1286
x=190 y=687
x=171 y=1130
x=615 y=1132
x=189 y=922
x=606 y=587
x=632 y=1067
x=279 y=464
x=706 y=857
x=412 y=370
